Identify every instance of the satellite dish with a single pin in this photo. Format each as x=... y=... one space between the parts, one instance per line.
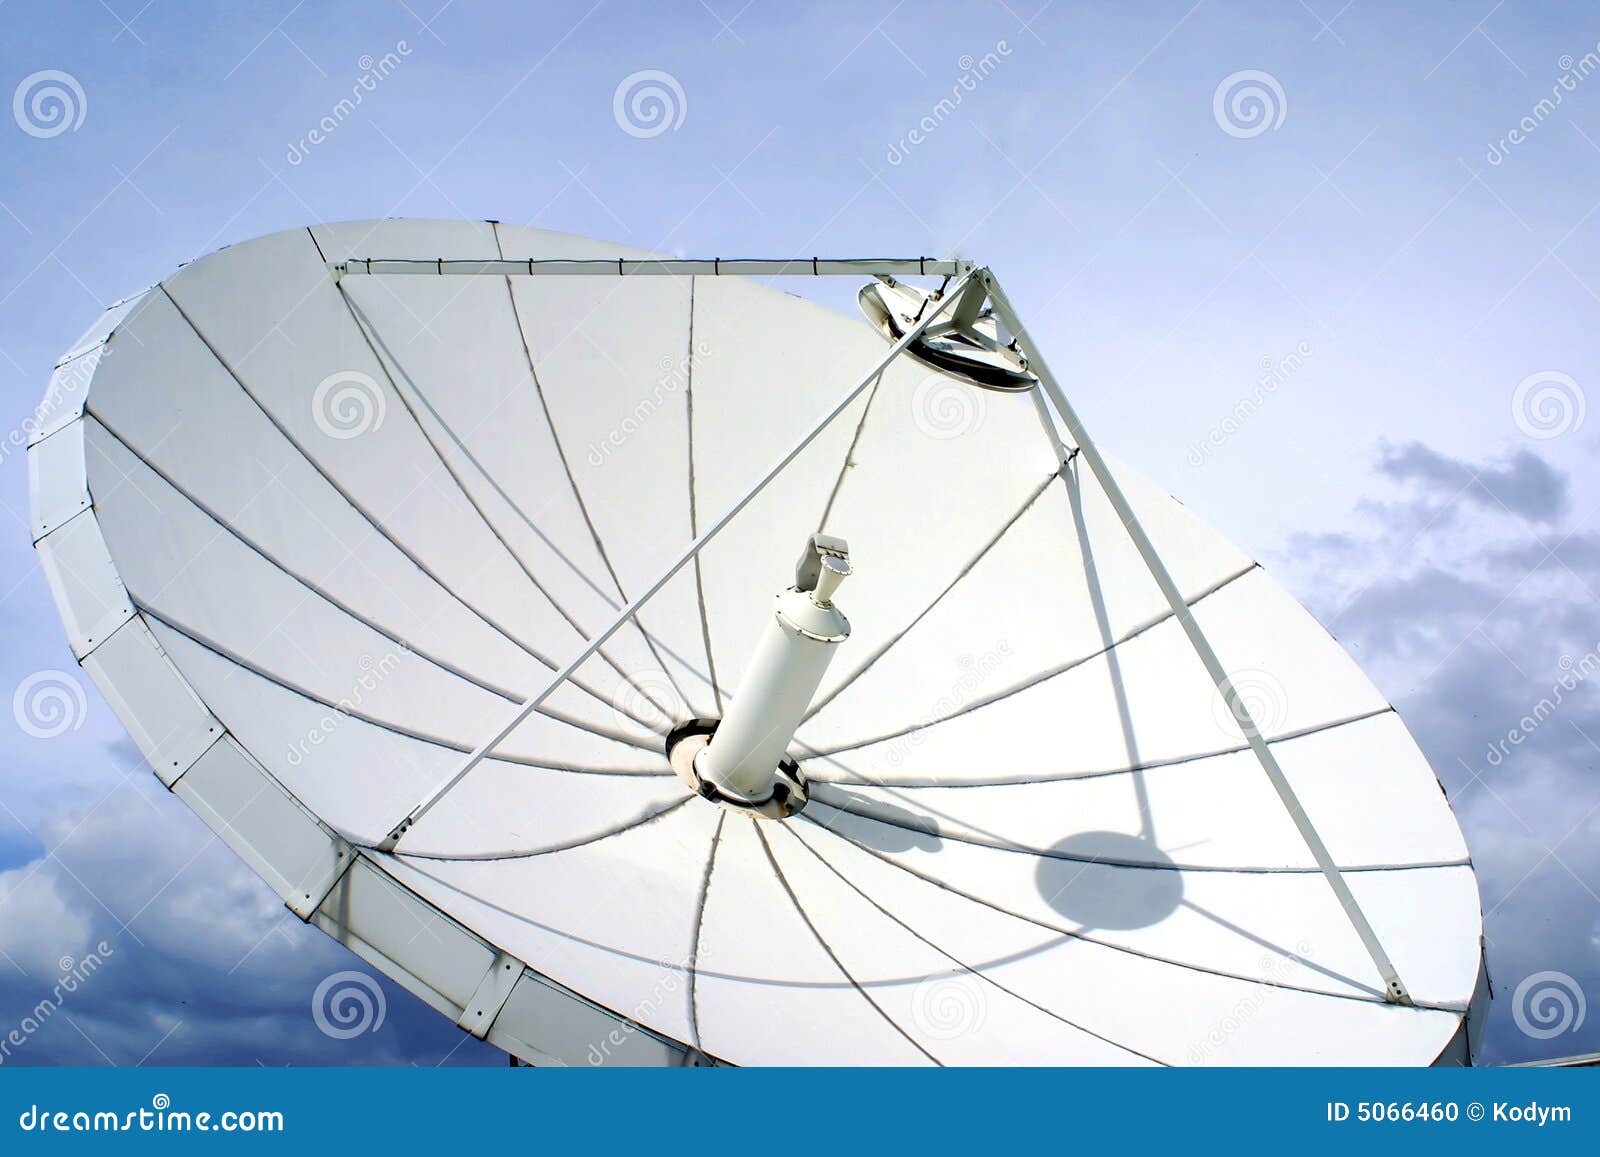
x=446 y=570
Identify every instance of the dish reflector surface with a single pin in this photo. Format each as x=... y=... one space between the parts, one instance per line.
x=316 y=538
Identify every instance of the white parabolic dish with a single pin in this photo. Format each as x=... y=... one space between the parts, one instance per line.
x=315 y=538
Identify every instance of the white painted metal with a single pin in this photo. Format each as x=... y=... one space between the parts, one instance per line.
x=1215 y=811
x=57 y=480
x=265 y=826
x=166 y=719
x=88 y=591
x=657 y=267
x=1026 y=802
x=629 y=612
x=779 y=682
x=1231 y=695
x=378 y=918
x=1172 y=1015
x=492 y=993
x=546 y=1024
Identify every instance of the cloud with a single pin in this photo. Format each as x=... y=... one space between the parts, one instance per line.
x=1525 y=485
x=201 y=964
x=1409 y=617
x=1485 y=633
x=1578 y=552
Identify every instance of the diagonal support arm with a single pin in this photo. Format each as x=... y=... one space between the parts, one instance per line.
x=628 y=612
x=1395 y=990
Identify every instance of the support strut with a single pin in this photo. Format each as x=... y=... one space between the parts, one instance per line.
x=1394 y=989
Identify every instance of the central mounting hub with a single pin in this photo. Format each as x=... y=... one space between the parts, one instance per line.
x=790 y=791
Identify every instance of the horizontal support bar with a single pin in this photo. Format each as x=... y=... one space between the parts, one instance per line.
x=651 y=266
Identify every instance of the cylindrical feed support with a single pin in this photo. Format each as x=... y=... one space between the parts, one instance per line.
x=789 y=661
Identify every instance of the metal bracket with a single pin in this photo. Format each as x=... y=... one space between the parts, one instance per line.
x=491 y=995
x=313 y=894
x=820 y=548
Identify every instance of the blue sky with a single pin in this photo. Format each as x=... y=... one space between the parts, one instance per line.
x=1422 y=477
